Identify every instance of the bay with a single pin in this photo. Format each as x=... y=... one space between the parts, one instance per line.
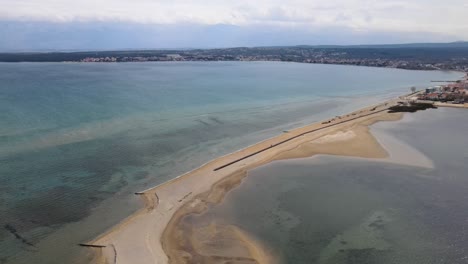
x=77 y=139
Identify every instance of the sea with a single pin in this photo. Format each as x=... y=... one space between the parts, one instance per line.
x=78 y=139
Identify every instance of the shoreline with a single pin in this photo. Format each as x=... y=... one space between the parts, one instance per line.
x=463 y=72
x=142 y=234
x=178 y=239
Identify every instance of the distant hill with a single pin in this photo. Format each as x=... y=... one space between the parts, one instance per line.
x=457 y=44
x=418 y=56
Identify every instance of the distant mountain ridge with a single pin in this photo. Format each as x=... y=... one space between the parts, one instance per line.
x=456 y=44
x=416 y=56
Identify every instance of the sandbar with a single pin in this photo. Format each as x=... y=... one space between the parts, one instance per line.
x=157 y=233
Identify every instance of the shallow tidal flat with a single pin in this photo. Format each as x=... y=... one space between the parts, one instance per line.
x=334 y=209
x=77 y=140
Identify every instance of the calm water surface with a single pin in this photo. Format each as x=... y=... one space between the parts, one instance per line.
x=77 y=139
x=343 y=210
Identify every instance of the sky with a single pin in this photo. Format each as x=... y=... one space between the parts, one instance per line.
x=134 y=24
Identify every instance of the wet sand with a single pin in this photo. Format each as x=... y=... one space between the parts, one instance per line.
x=336 y=209
x=440 y=104
x=158 y=233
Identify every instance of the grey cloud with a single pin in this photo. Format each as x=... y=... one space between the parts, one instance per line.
x=27 y=36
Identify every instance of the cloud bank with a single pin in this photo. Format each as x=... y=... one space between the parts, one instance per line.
x=425 y=20
x=416 y=15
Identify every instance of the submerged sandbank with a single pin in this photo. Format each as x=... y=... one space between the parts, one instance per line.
x=334 y=209
x=181 y=240
x=154 y=234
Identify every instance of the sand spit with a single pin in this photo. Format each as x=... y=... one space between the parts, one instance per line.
x=440 y=104
x=339 y=136
x=158 y=233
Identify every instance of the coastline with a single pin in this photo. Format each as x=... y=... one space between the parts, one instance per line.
x=186 y=152
x=288 y=205
x=148 y=233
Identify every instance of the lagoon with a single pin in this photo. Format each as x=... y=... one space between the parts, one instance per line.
x=329 y=209
x=76 y=139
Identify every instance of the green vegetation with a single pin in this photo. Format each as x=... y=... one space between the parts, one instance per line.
x=452 y=56
x=411 y=108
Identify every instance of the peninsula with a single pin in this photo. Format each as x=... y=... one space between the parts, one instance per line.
x=419 y=56
x=157 y=234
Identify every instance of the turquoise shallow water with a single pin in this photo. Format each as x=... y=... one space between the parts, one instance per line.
x=343 y=210
x=77 y=139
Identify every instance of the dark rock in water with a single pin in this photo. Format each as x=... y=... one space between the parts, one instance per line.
x=203 y=122
x=14 y=232
x=216 y=120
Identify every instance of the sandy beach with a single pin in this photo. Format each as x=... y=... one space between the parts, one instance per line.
x=157 y=232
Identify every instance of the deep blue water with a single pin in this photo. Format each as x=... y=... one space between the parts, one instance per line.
x=77 y=139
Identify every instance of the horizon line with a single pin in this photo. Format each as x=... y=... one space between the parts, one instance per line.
x=463 y=42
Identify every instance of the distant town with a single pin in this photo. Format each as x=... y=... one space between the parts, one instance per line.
x=454 y=94
x=449 y=56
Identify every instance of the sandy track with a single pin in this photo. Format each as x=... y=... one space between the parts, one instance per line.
x=151 y=234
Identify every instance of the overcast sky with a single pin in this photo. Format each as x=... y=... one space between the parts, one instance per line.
x=101 y=24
